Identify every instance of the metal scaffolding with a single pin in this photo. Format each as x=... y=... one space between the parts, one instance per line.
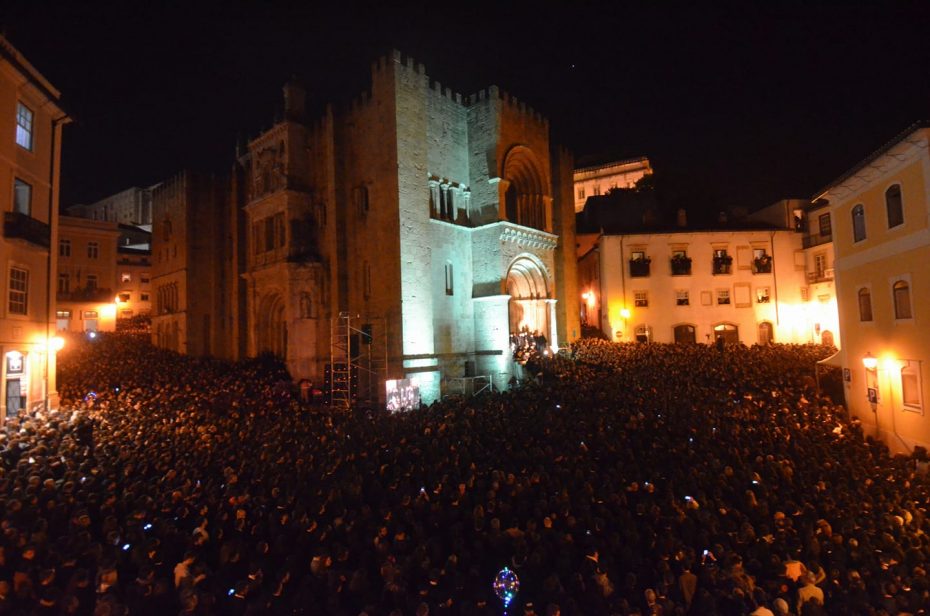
x=357 y=366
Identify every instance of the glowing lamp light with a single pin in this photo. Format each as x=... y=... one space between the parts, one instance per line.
x=870 y=361
x=625 y=313
x=506 y=585
x=56 y=343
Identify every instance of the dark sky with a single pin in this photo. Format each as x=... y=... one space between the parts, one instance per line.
x=735 y=106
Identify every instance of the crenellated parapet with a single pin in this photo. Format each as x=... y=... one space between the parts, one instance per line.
x=512 y=103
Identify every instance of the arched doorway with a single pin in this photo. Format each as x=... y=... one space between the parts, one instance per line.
x=684 y=334
x=728 y=331
x=826 y=338
x=528 y=287
x=526 y=190
x=766 y=333
x=271 y=333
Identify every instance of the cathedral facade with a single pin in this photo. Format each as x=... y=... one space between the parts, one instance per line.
x=421 y=227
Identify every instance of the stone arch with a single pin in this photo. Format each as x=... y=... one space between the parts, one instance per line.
x=728 y=331
x=271 y=326
x=527 y=191
x=528 y=286
x=684 y=333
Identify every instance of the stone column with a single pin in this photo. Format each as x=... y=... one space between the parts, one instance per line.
x=553 y=326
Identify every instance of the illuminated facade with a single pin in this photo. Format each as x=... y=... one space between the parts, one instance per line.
x=600 y=179
x=745 y=283
x=441 y=223
x=822 y=312
x=879 y=213
x=31 y=122
x=132 y=206
x=86 y=281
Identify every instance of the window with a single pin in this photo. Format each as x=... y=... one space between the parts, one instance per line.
x=91 y=281
x=902 y=300
x=762 y=295
x=23 y=126
x=722 y=261
x=638 y=255
x=144 y=278
x=826 y=228
x=820 y=265
x=64 y=248
x=640 y=299
x=125 y=277
x=728 y=331
x=865 y=305
x=681 y=298
x=858 y=221
x=723 y=296
x=19 y=290
x=91 y=314
x=64 y=283
x=93 y=250
x=269 y=233
x=124 y=297
x=910 y=385
x=581 y=193
x=22 y=197
x=63 y=314
x=450 y=290
x=280 y=230
x=894 y=207
x=144 y=297
x=766 y=333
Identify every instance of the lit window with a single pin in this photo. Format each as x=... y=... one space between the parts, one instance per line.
x=762 y=295
x=902 y=300
x=894 y=206
x=858 y=220
x=910 y=385
x=125 y=277
x=19 y=290
x=63 y=314
x=723 y=296
x=640 y=299
x=22 y=197
x=93 y=250
x=865 y=305
x=450 y=290
x=681 y=298
x=24 y=126
x=825 y=227
x=64 y=248
x=643 y=333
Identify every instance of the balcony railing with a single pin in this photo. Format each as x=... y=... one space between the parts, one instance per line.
x=722 y=266
x=681 y=267
x=810 y=241
x=639 y=268
x=762 y=265
x=825 y=275
x=17 y=226
x=95 y=294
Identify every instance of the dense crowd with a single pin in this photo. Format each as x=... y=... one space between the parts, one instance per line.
x=631 y=479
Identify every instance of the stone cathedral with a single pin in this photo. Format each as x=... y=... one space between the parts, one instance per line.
x=438 y=224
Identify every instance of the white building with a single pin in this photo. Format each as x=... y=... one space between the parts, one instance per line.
x=600 y=179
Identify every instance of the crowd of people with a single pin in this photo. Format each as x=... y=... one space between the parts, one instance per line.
x=629 y=479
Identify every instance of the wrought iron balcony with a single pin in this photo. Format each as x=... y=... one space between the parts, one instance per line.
x=17 y=226
x=639 y=268
x=824 y=275
x=681 y=266
x=809 y=241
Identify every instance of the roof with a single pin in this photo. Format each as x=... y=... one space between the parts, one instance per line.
x=613 y=163
x=873 y=156
x=12 y=55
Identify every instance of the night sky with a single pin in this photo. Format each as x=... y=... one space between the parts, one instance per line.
x=734 y=107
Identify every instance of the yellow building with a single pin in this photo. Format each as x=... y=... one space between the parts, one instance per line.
x=87 y=258
x=31 y=122
x=881 y=237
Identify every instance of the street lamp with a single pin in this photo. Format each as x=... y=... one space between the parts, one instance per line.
x=870 y=361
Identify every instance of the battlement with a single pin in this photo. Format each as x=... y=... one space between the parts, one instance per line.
x=512 y=102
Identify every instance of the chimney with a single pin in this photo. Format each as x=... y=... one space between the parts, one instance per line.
x=294 y=100
x=682 y=218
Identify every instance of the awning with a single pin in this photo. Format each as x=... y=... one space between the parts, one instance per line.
x=835 y=360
